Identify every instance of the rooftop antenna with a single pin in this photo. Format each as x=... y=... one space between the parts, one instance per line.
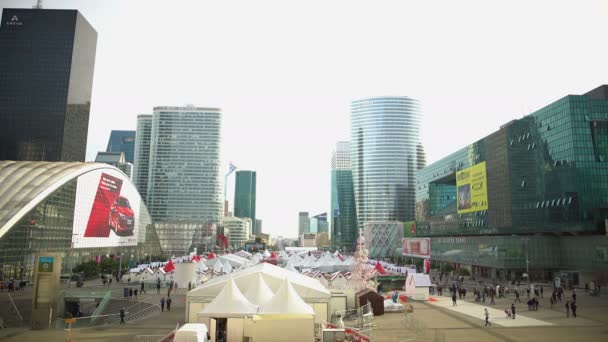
x=38 y=4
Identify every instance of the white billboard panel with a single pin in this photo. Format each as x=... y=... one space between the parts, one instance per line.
x=416 y=247
x=106 y=211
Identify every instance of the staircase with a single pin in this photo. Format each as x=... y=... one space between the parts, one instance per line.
x=135 y=311
x=9 y=314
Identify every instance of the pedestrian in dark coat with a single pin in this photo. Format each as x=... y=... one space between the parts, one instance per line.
x=567 y=308
x=169 y=300
x=162 y=304
x=573 y=307
x=122 y=316
x=513 y=310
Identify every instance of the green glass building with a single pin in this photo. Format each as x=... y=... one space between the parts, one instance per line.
x=540 y=201
x=244 y=196
x=343 y=210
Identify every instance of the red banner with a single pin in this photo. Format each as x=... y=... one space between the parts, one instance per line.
x=108 y=191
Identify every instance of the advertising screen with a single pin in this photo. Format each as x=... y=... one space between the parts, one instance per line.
x=409 y=228
x=106 y=212
x=472 y=189
x=416 y=247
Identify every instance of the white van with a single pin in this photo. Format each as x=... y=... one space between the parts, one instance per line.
x=191 y=332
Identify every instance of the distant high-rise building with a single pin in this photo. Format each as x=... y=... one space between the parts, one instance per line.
x=384 y=135
x=321 y=223
x=184 y=178
x=258 y=227
x=47 y=59
x=141 y=167
x=420 y=157
x=237 y=231
x=343 y=210
x=244 y=196
x=115 y=159
x=303 y=223
x=123 y=141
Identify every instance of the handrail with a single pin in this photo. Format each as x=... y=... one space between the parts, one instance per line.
x=15 y=306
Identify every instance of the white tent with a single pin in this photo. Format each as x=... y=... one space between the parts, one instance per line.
x=227 y=268
x=266 y=254
x=417 y=286
x=290 y=267
x=310 y=290
x=218 y=267
x=201 y=267
x=259 y=293
x=233 y=259
x=286 y=301
x=229 y=301
x=243 y=254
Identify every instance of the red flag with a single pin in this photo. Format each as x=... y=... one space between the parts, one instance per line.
x=169 y=267
x=211 y=256
x=380 y=269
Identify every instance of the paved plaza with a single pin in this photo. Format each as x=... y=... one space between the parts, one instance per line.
x=432 y=321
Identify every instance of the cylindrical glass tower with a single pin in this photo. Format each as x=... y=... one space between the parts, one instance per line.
x=384 y=135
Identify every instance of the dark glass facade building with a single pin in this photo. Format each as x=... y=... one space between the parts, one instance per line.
x=122 y=141
x=141 y=167
x=343 y=210
x=244 y=196
x=547 y=195
x=47 y=59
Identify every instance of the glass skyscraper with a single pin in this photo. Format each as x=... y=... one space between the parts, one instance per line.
x=184 y=173
x=343 y=210
x=383 y=151
x=47 y=59
x=545 y=194
x=122 y=141
x=143 y=139
x=244 y=196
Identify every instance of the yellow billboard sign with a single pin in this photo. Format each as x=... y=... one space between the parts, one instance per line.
x=472 y=189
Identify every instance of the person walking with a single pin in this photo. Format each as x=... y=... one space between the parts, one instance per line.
x=567 y=308
x=135 y=293
x=158 y=288
x=162 y=304
x=573 y=307
x=130 y=293
x=454 y=298
x=169 y=300
x=122 y=316
x=143 y=288
x=487 y=314
x=573 y=296
x=513 y=310
x=517 y=296
x=541 y=292
x=190 y=286
x=492 y=298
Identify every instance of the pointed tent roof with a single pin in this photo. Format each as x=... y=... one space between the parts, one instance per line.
x=259 y=293
x=286 y=301
x=230 y=301
x=210 y=256
x=266 y=254
x=169 y=267
x=218 y=267
x=290 y=267
x=227 y=268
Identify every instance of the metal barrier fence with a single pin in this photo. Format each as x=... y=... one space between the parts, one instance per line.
x=360 y=318
x=148 y=338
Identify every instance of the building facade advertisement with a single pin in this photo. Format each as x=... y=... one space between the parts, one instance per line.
x=106 y=210
x=409 y=228
x=472 y=189
x=416 y=247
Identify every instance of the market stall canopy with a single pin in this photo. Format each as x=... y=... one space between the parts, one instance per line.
x=286 y=301
x=259 y=293
x=306 y=287
x=230 y=301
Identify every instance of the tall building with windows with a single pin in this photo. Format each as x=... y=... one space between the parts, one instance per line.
x=244 y=196
x=530 y=198
x=343 y=211
x=123 y=141
x=47 y=59
x=303 y=223
x=320 y=223
x=384 y=136
x=141 y=167
x=184 y=174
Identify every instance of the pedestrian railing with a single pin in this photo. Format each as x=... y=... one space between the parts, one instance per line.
x=15 y=307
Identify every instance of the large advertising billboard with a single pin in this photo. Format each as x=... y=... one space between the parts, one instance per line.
x=416 y=247
x=106 y=211
x=472 y=189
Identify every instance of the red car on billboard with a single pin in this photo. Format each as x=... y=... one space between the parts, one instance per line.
x=122 y=217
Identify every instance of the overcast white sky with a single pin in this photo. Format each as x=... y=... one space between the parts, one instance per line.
x=284 y=73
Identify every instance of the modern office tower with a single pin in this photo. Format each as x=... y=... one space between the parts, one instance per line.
x=303 y=223
x=47 y=59
x=122 y=141
x=258 y=227
x=116 y=159
x=321 y=223
x=420 y=157
x=384 y=135
x=184 y=178
x=141 y=167
x=237 y=230
x=531 y=197
x=343 y=210
x=244 y=196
